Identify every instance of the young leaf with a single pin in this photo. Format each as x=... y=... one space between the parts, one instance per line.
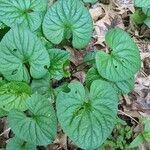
x=87 y=118
x=18 y=144
x=124 y=59
x=27 y=13
x=138 y=17
x=58 y=58
x=121 y=87
x=142 y=3
x=14 y=95
x=66 y=19
x=20 y=49
x=39 y=127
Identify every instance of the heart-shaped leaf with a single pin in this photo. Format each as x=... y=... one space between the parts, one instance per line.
x=143 y=3
x=58 y=58
x=122 y=87
x=124 y=59
x=18 y=144
x=14 y=95
x=20 y=49
x=27 y=13
x=66 y=19
x=39 y=125
x=87 y=118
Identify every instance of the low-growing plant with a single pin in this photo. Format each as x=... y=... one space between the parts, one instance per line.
x=123 y=133
x=30 y=63
x=142 y=14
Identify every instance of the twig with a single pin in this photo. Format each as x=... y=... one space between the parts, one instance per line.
x=123 y=113
x=5 y=132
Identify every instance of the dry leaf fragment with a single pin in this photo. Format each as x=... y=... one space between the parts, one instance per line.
x=96 y=13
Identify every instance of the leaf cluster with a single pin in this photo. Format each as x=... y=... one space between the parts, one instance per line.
x=142 y=14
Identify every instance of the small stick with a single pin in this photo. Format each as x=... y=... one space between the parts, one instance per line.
x=5 y=132
x=123 y=113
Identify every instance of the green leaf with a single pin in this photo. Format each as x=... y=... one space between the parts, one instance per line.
x=66 y=19
x=142 y=3
x=121 y=87
x=1 y=24
x=2 y=81
x=3 y=31
x=89 y=58
x=3 y=113
x=124 y=59
x=92 y=75
x=39 y=127
x=14 y=95
x=147 y=21
x=125 y=86
x=147 y=124
x=137 y=141
x=63 y=87
x=138 y=17
x=146 y=135
x=90 y=1
x=42 y=86
x=46 y=43
x=20 y=50
x=146 y=11
x=18 y=144
x=25 y=13
x=58 y=58
x=87 y=118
